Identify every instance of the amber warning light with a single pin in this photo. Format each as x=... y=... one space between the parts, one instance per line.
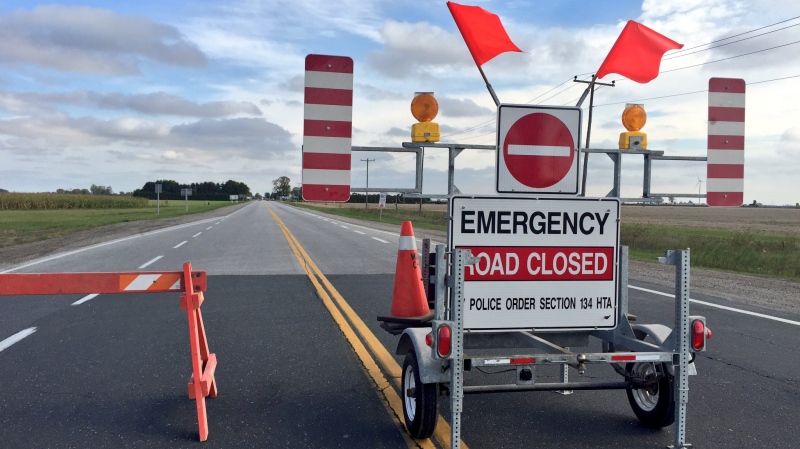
x=424 y=108
x=633 y=119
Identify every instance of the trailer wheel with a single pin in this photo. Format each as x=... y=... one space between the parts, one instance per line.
x=419 y=400
x=654 y=405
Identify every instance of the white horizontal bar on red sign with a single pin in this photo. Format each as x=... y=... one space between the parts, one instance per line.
x=327 y=128
x=726 y=130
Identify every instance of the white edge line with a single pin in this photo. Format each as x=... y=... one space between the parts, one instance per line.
x=197 y=234
x=180 y=244
x=344 y=226
x=85 y=298
x=5 y=344
x=111 y=242
x=149 y=262
x=732 y=309
x=380 y=240
x=359 y=232
x=209 y=228
x=379 y=230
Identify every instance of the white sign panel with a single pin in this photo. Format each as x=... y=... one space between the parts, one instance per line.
x=382 y=200
x=537 y=149
x=545 y=264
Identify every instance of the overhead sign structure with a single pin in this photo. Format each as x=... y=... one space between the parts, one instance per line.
x=537 y=149
x=545 y=264
x=327 y=128
x=725 y=169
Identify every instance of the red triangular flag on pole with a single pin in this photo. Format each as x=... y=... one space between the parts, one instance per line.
x=637 y=53
x=482 y=31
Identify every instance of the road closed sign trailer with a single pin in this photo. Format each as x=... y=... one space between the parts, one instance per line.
x=544 y=264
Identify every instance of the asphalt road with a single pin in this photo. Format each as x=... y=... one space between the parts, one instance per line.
x=111 y=371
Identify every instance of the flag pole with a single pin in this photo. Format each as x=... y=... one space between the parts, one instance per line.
x=489 y=86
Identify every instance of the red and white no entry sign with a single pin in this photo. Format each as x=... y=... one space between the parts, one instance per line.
x=538 y=149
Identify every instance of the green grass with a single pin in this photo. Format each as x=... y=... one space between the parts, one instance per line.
x=738 y=252
x=426 y=219
x=25 y=226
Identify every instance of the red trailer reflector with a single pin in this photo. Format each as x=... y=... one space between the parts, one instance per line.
x=623 y=358
x=523 y=361
x=698 y=335
x=444 y=341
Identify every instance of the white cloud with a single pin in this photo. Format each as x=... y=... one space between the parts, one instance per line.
x=91 y=40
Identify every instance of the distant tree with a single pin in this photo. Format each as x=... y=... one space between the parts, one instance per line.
x=672 y=200
x=101 y=190
x=281 y=187
x=3 y=191
x=297 y=193
x=61 y=191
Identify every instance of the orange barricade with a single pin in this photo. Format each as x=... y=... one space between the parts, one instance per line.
x=191 y=283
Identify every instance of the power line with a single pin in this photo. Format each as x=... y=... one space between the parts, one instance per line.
x=736 y=35
x=695 y=92
x=729 y=43
x=731 y=57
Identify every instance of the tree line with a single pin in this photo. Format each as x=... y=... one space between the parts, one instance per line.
x=211 y=191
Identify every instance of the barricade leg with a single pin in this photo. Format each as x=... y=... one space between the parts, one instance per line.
x=202 y=382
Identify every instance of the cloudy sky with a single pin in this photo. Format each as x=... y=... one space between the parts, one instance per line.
x=119 y=93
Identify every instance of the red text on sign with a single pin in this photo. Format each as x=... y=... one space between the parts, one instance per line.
x=541 y=264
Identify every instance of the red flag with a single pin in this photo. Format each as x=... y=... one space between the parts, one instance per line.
x=637 y=53
x=482 y=31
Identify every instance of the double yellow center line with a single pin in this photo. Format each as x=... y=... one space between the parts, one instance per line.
x=339 y=308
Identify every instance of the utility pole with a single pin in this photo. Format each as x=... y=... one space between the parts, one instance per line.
x=366 y=194
x=590 y=91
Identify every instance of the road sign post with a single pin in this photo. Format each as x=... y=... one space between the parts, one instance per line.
x=158 y=199
x=543 y=263
x=537 y=149
x=186 y=193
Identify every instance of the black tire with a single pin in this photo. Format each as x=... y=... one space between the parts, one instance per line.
x=419 y=400
x=654 y=405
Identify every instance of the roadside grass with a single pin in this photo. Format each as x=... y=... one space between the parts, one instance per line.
x=425 y=219
x=740 y=252
x=773 y=255
x=25 y=226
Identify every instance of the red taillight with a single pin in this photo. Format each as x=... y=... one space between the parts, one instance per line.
x=698 y=335
x=708 y=334
x=444 y=341
x=429 y=339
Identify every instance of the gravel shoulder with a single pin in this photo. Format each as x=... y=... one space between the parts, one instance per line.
x=774 y=294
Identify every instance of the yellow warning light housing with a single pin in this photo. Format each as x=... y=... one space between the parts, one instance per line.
x=633 y=119
x=424 y=108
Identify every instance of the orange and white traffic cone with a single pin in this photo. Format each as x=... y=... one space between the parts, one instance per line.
x=408 y=299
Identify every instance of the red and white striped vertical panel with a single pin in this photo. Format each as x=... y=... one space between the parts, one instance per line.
x=327 y=128
x=725 y=169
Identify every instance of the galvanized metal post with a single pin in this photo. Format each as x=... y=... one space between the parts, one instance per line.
x=680 y=259
x=462 y=259
x=647 y=176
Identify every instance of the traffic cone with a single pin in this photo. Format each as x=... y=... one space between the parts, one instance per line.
x=408 y=298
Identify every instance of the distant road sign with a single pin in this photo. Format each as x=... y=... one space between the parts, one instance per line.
x=186 y=192
x=538 y=149
x=544 y=263
x=158 y=188
x=327 y=128
x=725 y=167
x=382 y=200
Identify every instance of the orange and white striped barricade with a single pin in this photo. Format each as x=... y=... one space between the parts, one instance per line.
x=192 y=283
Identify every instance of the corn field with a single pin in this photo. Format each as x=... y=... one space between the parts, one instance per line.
x=51 y=201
